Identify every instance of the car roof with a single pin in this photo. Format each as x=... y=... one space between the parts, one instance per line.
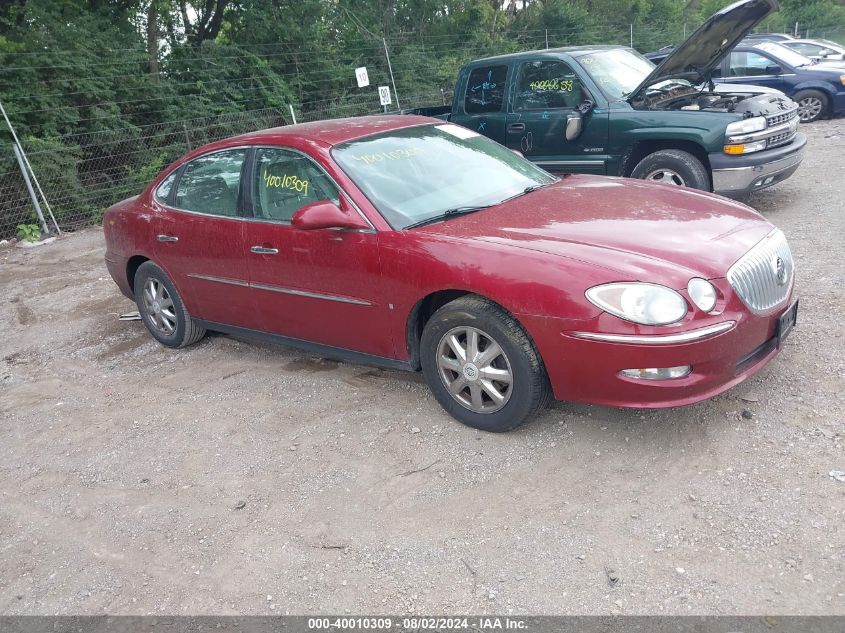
x=573 y=51
x=330 y=132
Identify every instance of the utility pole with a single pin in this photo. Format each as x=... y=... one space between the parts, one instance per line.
x=390 y=69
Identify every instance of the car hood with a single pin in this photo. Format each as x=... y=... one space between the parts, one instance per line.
x=696 y=57
x=636 y=230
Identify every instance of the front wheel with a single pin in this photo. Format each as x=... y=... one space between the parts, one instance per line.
x=812 y=105
x=162 y=309
x=481 y=365
x=673 y=167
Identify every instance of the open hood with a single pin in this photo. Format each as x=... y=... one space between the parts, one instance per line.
x=696 y=57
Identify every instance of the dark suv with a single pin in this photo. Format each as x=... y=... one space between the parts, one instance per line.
x=817 y=87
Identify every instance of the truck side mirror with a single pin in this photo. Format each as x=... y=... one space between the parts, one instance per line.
x=774 y=70
x=574 y=125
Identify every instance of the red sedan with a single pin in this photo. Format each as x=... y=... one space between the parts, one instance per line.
x=413 y=244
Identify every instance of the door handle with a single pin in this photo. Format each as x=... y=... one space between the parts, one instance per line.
x=167 y=238
x=263 y=250
x=516 y=127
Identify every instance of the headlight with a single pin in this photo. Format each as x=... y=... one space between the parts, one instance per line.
x=647 y=304
x=702 y=293
x=746 y=126
x=842 y=79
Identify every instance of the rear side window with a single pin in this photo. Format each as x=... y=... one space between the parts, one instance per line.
x=166 y=186
x=211 y=184
x=486 y=89
x=285 y=182
x=546 y=85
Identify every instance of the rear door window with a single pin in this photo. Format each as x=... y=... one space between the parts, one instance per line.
x=211 y=184
x=486 y=89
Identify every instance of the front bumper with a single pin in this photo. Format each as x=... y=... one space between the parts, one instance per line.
x=738 y=176
x=585 y=370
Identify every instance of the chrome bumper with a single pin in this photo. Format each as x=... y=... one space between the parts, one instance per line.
x=740 y=181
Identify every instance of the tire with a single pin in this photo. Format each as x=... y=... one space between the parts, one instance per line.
x=526 y=394
x=812 y=105
x=162 y=310
x=673 y=166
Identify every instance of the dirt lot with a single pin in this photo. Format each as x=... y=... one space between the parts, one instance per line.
x=239 y=478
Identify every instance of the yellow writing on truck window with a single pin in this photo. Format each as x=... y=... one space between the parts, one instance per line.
x=397 y=154
x=293 y=183
x=561 y=85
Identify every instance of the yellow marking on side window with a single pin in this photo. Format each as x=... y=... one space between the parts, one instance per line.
x=293 y=183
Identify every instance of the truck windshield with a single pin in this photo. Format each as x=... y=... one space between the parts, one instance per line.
x=421 y=173
x=617 y=71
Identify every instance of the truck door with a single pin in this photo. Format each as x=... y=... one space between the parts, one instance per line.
x=545 y=92
x=482 y=107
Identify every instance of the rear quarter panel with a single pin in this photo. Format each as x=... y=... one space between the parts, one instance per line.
x=129 y=230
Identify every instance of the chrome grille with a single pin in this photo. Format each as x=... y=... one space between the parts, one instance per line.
x=763 y=276
x=780 y=139
x=777 y=119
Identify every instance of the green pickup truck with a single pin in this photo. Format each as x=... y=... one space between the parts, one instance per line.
x=608 y=110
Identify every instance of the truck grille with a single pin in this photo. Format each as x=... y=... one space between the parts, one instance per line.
x=788 y=122
x=777 y=119
x=763 y=276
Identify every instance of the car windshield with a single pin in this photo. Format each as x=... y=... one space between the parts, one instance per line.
x=619 y=71
x=784 y=54
x=419 y=173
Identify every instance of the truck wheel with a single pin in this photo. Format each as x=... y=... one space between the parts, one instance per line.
x=812 y=105
x=481 y=365
x=674 y=167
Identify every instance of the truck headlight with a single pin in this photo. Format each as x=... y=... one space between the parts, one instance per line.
x=702 y=293
x=746 y=126
x=647 y=304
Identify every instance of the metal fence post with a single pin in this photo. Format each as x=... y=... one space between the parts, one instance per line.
x=19 y=155
x=390 y=68
x=18 y=148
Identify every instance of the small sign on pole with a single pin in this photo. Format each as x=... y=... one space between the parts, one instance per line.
x=362 y=77
x=384 y=95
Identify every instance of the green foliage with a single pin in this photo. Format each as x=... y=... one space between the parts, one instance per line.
x=29 y=232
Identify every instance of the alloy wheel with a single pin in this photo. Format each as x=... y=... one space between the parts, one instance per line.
x=159 y=306
x=810 y=108
x=475 y=369
x=666 y=175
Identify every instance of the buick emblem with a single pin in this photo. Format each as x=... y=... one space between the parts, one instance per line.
x=780 y=271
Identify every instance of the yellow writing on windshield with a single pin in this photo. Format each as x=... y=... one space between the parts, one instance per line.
x=397 y=154
x=293 y=183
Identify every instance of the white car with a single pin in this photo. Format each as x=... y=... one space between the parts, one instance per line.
x=819 y=50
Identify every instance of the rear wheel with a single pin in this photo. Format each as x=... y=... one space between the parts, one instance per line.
x=162 y=310
x=481 y=365
x=812 y=105
x=674 y=167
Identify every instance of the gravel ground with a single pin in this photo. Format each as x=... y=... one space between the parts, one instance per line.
x=235 y=478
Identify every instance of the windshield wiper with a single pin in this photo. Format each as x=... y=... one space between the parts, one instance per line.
x=449 y=213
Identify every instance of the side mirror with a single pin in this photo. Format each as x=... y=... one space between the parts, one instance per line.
x=325 y=214
x=774 y=70
x=574 y=125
